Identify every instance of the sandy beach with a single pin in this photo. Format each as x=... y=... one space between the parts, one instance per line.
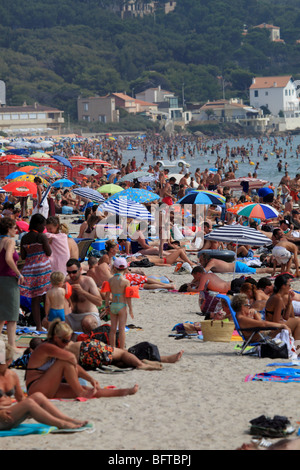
x=201 y=402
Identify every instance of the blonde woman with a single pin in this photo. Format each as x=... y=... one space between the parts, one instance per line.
x=50 y=362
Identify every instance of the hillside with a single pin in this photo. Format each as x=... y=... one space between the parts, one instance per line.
x=52 y=52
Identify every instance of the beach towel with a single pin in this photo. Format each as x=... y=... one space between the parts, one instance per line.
x=27 y=428
x=278 y=375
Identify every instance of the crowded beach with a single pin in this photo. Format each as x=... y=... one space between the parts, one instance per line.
x=145 y=307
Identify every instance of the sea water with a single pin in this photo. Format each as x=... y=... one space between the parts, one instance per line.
x=267 y=169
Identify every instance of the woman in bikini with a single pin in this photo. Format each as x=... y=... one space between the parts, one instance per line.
x=50 y=362
x=279 y=307
x=37 y=406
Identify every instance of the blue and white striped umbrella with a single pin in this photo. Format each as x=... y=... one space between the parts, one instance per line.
x=238 y=234
x=89 y=193
x=127 y=208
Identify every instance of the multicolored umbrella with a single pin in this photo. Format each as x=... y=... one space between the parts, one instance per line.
x=137 y=195
x=110 y=189
x=260 y=211
x=21 y=188
x=30 y=178
x=45 y=171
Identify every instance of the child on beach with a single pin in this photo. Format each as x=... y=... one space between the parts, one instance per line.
x=56 y=304
x=118 y=306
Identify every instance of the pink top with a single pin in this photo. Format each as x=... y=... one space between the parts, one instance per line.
x=60 y=251
x=5 y=270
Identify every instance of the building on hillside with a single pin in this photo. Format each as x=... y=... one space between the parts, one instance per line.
x=97 y=109
x=133 y=105
x=155 y=95
x=277 y=94
x=139 y=8
x=274 y=31
x=233 y=111
x=29 y=119
x=2 y=93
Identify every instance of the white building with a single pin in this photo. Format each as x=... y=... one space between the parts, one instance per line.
x=278 y=94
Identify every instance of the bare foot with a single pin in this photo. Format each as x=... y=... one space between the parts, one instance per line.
x=173 y=357
x=70 y=425
x=132 y=390
x=154 y=364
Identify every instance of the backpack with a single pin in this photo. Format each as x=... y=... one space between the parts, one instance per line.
x=145 y=350
x=101 y=334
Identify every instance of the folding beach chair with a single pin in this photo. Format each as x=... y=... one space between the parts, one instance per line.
x=83 y=247
x=254 y=331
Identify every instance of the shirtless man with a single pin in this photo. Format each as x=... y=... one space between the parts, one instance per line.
x=84 y=299
x=100 y=270
x=220 y=266
x=202 y=280
x=284 y=252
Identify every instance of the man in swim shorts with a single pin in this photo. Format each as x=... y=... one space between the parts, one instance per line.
x=85 y=299
x=284 y=252
x=219 y=266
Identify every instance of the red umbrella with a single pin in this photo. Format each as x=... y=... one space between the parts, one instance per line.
x=21 y=188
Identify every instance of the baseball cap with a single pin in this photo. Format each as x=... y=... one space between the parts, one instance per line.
x=120 y=263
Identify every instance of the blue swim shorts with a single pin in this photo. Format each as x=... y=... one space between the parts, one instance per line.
x=56 y=313
x=243 y=268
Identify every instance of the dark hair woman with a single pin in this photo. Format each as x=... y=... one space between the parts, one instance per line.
x=35 y=250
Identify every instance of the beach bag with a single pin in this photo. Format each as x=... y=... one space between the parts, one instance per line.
x=143 y=263
x=145 y=350
x=100 y=334
x=219 y=331
x=209 y=302
x=274 y=350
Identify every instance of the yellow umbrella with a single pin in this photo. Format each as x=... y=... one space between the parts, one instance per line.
x=31 y=178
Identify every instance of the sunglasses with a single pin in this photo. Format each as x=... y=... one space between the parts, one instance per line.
x=72 y=272
x=64 y=340
x=247 y=305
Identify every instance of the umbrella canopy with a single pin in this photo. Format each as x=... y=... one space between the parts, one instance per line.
x=40 y=155
x=26 y=166
x=64 y=161
x=236 y=208
x=126 y=208
x=88 y=172
x=45 y=172
x=238 y=234
x=110 y=189
x=63 y=183
x=89 y=193
x=202 y=197
x=253 y=183
x=136 y=195
x=134 y=175
x=15 y=174
x=260 y=211
x=13 y=159
x=21 y=188
x=28 y=177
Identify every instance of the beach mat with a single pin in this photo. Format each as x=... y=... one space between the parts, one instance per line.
x=23 y=341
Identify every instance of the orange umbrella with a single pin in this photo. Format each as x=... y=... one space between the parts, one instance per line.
x=236 y=208
x=12 y=159
x=21 y=188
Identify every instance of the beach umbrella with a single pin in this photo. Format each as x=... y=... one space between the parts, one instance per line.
x=147 y=179
x=238 y=234
x=13 y=159
x=134 y=175
x=64 y=161
x=89 y=193
x=260 y=211
x=2 y=190
x=39 y=155
x=237 y=183
x=126 y=208
x=136 y=195
x=88 y=172
x=236 y=208
x=15 y=174
x=63 y=183
x=26 y=166
x=21 y=188
x=45 y=172
x=202 y=197
x=110 y=189
x=30 y=178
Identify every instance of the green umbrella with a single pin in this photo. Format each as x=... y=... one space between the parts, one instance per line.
x=109 y=189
